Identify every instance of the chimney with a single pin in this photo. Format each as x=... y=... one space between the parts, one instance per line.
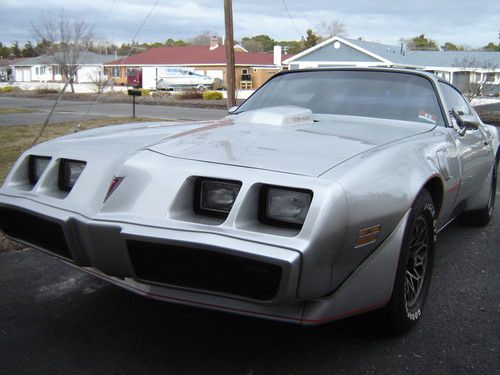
x=277 y=55
x=214 y=43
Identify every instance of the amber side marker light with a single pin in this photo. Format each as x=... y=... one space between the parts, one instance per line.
x=368 y=235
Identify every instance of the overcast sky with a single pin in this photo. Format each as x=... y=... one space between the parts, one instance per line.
x=474 y=23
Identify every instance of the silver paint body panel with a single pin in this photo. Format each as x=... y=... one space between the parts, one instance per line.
x=362 y=171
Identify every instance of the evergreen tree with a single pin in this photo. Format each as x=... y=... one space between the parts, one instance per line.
x=28 y=50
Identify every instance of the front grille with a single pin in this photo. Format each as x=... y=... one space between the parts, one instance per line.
x=204 y=269
x=35 y=230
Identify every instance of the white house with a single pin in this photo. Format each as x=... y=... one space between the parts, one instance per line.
x=44 y=68
x=455 y=66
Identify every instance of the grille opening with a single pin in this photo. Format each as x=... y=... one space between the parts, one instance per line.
x=204 y=269
x=35 y=230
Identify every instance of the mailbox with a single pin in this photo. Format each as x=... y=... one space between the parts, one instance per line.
x=134 y=92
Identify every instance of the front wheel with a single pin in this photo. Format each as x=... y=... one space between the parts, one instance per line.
x=415 y=265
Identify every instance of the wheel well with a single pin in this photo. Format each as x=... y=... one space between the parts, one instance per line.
x=436 y=190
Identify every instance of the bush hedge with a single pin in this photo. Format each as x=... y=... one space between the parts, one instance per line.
x=46 y=91
x=189 y=94
x=7 y=89
x=212 y=95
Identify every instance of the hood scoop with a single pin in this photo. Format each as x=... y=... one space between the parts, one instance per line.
x=283 y=116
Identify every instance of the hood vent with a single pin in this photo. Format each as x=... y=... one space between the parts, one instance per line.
x=285 y=116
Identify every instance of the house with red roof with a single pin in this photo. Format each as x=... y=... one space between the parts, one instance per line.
x=252 y=68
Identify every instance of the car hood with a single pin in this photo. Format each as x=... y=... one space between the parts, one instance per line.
x=309 y=149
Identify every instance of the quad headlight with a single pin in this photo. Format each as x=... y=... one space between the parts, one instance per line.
x=284 y=206
x=36 y=166
x=69 y=172
x=215 y=197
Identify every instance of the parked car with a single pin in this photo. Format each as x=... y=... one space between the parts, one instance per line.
x=175 y=78
x=319 y=198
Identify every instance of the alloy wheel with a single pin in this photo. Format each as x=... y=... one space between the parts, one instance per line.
x=416 y=265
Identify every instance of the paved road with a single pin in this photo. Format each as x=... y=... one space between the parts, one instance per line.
x=489 y=107
x=74 y=110
x=54 y=319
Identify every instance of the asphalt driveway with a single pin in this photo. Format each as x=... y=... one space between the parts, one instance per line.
x=55 y=319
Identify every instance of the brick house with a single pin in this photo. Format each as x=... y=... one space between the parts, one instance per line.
x=252 y=68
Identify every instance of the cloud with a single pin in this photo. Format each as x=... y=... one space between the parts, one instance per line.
x=474 y=23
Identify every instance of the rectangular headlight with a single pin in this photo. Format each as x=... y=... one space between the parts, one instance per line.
x=36 y=167
x=285 y=206
x=69 y=172
x=215 y=197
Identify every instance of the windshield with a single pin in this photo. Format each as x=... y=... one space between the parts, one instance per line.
x=387 y=95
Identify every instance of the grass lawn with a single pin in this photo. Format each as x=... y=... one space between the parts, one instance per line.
x=16 y=139
x=8 y=110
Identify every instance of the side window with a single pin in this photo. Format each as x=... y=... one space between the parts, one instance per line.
x=453 y=100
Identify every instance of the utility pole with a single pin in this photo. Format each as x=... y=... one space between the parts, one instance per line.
x=230 y=73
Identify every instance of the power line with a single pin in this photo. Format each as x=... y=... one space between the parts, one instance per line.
x=314 y=25
x=291 y=18
x=61 y=94
x=138 y=31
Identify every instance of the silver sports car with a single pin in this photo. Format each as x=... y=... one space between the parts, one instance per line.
x=318 y=198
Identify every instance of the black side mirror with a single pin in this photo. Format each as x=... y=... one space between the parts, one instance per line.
x=467 y=122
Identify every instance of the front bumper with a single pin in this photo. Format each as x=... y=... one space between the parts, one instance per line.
x=102 y=248
x=234 y=268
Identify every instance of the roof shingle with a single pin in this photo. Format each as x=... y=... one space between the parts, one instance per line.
x=193 y=55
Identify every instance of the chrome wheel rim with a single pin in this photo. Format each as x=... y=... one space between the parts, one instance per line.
x=416 y=265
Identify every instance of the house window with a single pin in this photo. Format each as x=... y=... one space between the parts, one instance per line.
x=56 y=69
x=115 y=72
x=490 y=77
x=244 y=71
x=37 y=70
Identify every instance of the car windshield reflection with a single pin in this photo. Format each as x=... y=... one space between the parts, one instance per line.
x=378 y=94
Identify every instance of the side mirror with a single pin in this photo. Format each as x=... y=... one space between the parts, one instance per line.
x=232 y=109
x=467 y=122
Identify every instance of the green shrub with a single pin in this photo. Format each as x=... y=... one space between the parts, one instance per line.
x=189 y=94
x=145 y=92
x=7 y=89
x=212 y=95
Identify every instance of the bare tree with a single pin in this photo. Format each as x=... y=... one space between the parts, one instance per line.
x=332 y=28
x=69 y=40
x=100 y=81
x=473 y=76
x=204 y=38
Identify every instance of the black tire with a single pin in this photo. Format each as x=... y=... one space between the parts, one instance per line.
x=413 y=275
x=483 y=216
